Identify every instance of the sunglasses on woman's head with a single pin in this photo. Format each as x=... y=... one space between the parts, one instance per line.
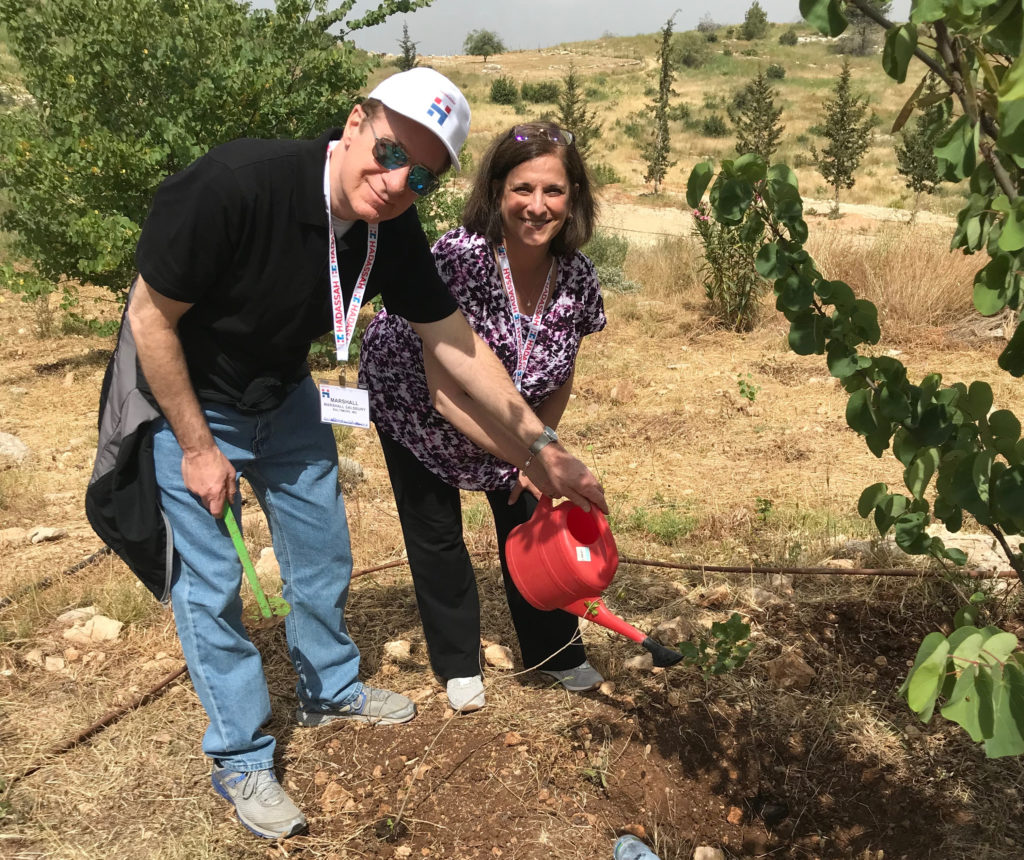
x=532 y=131
x=391 y=156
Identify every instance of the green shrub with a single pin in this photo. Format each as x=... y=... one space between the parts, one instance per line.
x=542 y=91
x=608 y=254
x=788 y=37
x=714 y=125
x=690 y=50
x=731 y=283
x=679 y=112
x=604 y=174
x=633 y=130
x=504 y=91
x=775 y=72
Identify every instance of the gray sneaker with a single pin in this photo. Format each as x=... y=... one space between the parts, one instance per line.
x=584 y=677
x=260 y=802
x=371 y=706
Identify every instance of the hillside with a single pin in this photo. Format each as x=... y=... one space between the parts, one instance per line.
x=620 y=76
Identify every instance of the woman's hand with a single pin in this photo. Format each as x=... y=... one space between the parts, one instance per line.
x=523 y=483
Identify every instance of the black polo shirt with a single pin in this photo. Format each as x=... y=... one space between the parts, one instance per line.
x=241 y=234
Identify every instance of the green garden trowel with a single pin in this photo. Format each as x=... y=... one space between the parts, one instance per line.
x=268 y=608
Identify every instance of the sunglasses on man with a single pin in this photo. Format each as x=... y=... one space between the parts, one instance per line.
x=392 y=155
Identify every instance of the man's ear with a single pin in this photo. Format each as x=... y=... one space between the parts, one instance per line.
x=353 y=124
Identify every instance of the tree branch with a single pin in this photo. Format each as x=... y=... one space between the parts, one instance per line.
x=872 y=13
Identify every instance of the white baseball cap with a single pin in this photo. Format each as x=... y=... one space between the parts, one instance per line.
x=429 y=98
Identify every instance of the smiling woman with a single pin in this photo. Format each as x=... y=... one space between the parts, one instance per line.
x=516 y=271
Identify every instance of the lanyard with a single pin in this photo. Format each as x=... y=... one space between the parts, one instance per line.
x=345 y=322
x=523 y=347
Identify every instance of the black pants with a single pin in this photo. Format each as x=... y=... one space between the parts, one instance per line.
x=430 y=512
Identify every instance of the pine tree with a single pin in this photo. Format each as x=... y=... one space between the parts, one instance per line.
x=756 y=118
x=848 y=130
x=916 y=154
x=755 y=22
x=407 y=59
x=656 y=153
x=574 y=113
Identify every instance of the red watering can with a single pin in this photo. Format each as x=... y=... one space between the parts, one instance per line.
x=563 y=558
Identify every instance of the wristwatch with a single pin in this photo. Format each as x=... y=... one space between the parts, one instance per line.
x=546 y=435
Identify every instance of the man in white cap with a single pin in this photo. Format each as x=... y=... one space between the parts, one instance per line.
x=248 y=255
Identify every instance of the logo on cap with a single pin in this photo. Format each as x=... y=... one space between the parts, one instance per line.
x=440 y=110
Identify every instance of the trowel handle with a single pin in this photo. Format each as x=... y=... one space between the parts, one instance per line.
x=593 y=609
x=243 y=557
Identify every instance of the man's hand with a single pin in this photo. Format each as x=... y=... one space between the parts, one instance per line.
x=557 y=473
x=209 y=475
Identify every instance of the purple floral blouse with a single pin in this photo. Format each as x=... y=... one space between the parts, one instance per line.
x=391 y=357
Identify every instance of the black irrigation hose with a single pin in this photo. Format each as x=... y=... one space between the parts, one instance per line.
x=50 y=580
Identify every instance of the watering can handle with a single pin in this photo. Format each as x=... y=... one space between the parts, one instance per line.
x=545 y=505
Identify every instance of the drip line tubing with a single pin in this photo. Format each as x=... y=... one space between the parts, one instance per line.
x=815 y=571
x=116 y=713
x=50 y=580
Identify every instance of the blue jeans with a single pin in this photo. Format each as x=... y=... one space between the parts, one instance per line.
x=290 y=459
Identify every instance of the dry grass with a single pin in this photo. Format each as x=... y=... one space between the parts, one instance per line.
x=915 y=281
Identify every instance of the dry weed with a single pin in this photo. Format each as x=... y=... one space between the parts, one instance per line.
x=917 y=284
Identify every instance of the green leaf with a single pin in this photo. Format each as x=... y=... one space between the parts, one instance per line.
x=893 y=403
x=865 y=321
x=999 y=645
x=807 y=333
x=956 y=151
x=835 y=293
x=963 y=705
x=1005 y=429
x=920 y=471
x=1011 y=125
x=843 y=360
x=898 y=51
x=767 y=261
x=1012 y=236
x=730 y=198
x=871 y=497
x=1007 y=736
x=968 y=615
x=825 y=15
x=697 y=184
x=981 y=474
x=978 y=401
x=750 y=167
x=860 y=413
x=925 y=11
x=990 y=286
x=957 y=556
x=1011 y=88
x=910 y=534
x=928 y=673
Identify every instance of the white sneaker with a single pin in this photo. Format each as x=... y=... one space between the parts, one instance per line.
x=584 y=677
x=466 y=694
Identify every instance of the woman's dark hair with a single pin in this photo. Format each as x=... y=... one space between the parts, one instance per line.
x=483 y=209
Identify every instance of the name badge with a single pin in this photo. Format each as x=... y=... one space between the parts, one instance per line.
x=348 y=406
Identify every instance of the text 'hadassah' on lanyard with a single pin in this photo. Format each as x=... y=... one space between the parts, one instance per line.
x=524 y=346
x=345 y=320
